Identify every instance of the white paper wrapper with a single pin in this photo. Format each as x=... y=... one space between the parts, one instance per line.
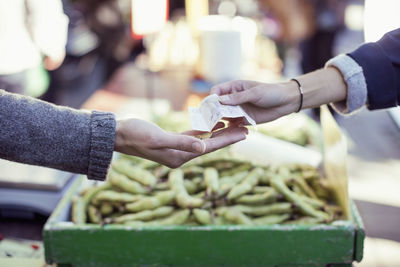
x=210 y=111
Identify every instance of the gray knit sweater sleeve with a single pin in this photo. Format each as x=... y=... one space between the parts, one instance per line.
x=38 y=133
x=356 y=84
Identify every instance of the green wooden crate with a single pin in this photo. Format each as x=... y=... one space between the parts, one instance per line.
x=273 y=245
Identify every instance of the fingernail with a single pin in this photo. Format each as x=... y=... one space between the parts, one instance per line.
x=199 y=147
x=223 y=98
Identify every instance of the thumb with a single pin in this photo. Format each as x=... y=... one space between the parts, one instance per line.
x=237 y=98
x=184 y=143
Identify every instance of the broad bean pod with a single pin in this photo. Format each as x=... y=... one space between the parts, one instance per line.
x=183 y=199
x=134 y=172
x=144 y=215
x=202 y=216
x=126 y=184
x=271 y=219
x=151 y=202
x=306 y=208
x=246 y=185
x=211 y=180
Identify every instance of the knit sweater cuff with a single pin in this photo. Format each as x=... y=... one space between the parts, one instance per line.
x=356 y=84
x=102 y=126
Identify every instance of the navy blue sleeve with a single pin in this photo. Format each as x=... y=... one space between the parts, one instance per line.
x=380 y=62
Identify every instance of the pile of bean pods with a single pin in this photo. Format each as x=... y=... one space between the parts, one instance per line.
x=211 y=190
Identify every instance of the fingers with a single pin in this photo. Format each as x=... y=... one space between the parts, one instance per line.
x=219 y=125
x=174 y=158
x=233 y=87
x=183 y=143
x=225 y=137
x=220 y=139
x=239 y=98
x=186 y=141
x=237 y=122
x=227 y=88
x=221 y=89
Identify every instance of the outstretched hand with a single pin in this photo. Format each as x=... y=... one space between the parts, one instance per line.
x=263 y=102
x=266 y=102
x=147 y=140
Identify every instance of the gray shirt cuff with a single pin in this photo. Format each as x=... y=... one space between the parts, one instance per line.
x=356 y=84
x=101 y=144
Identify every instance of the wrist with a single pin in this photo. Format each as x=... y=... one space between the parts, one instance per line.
x=292 y=101
x=119 y=136
x=322 y=87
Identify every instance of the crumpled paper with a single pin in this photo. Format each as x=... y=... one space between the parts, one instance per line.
x=210 y=111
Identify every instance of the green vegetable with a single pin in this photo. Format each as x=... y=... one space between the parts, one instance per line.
x=214 y=189
x=149 y=203
x=255 y=199
x=126 y=184
x=78 y=210
x=275 y=208
x=237 y=217
x=81 y=203
x=271 y=219
x=112 y=196
x=233 y=171
x=106 y=209
x=190 y=186
x=211 y=180
x=145 y=215
x=94 y=214
x=183 y=199
x=202 y=216
x=176 y=218
x=246 y=185
x=134 y=172
x=304 y=207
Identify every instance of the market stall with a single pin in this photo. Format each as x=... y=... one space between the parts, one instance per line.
x=220 y=209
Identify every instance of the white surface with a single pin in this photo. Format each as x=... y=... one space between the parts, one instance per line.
x=268 y=150
x=221 y=55
x=380 y=252
x=374 y=181
x=48 y=26
x=20 y=175
x=380 y=17
x=148 y=16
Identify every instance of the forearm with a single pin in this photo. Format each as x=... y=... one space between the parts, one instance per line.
x=39 y=133
x=320 y=87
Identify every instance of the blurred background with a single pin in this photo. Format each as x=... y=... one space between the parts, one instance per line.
x=102 y=54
